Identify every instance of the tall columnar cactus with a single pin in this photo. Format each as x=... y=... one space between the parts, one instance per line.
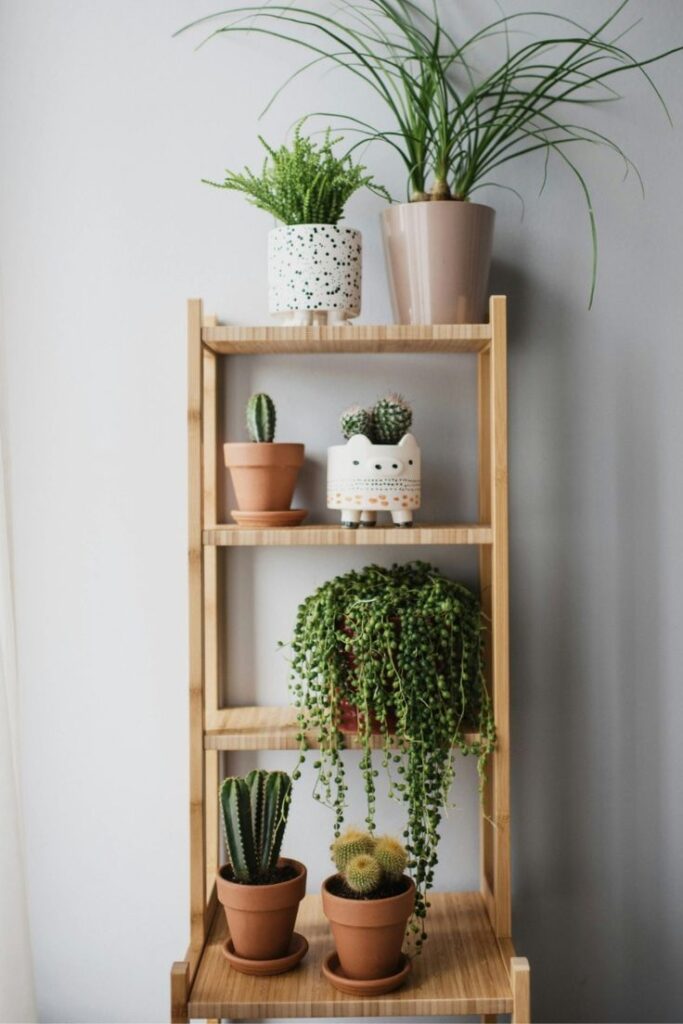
x=356 y=420
x=391 y=418
x=350 y=844
x=261 y=418
x=255 y=809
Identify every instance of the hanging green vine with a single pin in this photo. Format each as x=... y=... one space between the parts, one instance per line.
x=404 y=648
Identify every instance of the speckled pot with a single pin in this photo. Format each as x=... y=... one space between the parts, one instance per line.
x=314 y=273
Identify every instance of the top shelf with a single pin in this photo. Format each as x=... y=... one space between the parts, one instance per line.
x=328 y=340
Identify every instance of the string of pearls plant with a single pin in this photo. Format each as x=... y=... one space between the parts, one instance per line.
x=404 y=646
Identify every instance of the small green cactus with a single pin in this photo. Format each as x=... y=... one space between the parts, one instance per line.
x=366 y=863
x=391 y=857
x=391 y=418
x=254 y=810
x=351 y=844
x=261 y=418
x=363 y=874
x=356 y=420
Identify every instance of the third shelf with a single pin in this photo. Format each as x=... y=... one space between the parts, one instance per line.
x=229 y=535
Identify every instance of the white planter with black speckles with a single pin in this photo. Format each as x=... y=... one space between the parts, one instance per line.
x=314 y=273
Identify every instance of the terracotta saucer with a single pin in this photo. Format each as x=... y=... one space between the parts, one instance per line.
x=364 y=987
x=262 y=968
x=290 y=517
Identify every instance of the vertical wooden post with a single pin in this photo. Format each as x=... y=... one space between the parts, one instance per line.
x=180 y=973
x=520 y=976
x=195 y=372
x=210 y=592
x=500 y=627
x=485 y=564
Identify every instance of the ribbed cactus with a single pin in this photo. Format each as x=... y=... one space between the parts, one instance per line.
x=356 y=420
x=363 y=874
x=391 y=857
x=351 y=844
x=255 y=809
x=391 y=418
x=261 y=418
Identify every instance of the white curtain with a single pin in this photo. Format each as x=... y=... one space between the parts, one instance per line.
x=16 y=975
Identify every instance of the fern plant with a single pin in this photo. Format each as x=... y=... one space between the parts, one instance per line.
x=304 y=183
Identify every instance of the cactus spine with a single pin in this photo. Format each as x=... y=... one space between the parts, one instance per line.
x=351 y=844
x=261 y=418
x=363 y=874
x=391 y=857
x=356 y=420
x=254 y=810
x=366 y=863
x=391 y=417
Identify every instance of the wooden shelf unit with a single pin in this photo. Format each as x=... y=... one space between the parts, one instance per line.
x=469 y=965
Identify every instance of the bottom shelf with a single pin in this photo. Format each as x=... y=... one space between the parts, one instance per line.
x=462 y=971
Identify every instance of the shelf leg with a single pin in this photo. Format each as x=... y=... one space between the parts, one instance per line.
x=520 y=976
x=180 y=983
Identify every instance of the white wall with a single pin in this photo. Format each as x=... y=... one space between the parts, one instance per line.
x=107 y=125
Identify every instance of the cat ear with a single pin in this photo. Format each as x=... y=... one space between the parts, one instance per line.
x=408 y=441
x=358 y=443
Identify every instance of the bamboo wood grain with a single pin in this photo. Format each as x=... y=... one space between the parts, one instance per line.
x=180 y=987
x=266 y=728
x=485 y=556
x=227 y=535
x=196 y=639
x=381 y=338
x=461 y=972
x=500 y=790
x=521 y=990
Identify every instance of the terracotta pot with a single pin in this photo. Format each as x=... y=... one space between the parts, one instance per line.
x=261 y=918
x=263 y=473
x=438 y=259
x=369 y=934
x=349 y=717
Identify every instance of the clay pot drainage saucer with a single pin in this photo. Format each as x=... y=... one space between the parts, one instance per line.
x=288 y=517
x=263 y=968
x=364 y=986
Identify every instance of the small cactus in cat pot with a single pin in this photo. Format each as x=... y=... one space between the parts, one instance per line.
x=378 y=469
x=260 y=891
x=263 y=471
x=368 y=903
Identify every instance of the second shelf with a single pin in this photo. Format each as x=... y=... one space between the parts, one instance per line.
x=229 y=535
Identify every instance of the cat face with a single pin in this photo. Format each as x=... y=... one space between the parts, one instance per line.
x=360 y=459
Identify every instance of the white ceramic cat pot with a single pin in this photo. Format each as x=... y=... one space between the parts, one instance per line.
x=365 y=478
x=314 y=273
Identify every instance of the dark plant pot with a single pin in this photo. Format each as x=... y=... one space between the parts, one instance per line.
x=438 y=259
x=350 y=719
x=369 y=934
x=261 y=918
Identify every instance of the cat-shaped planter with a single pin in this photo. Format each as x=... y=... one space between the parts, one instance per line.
x=365 y=478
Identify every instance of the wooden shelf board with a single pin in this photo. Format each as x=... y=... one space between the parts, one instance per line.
x=314 y=535
x=462 y=971
x=380 y=338
x=267 y=728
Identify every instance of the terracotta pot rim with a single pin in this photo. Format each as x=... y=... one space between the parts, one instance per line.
x=263 y=454
x=237 y=895
x=361 y=909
